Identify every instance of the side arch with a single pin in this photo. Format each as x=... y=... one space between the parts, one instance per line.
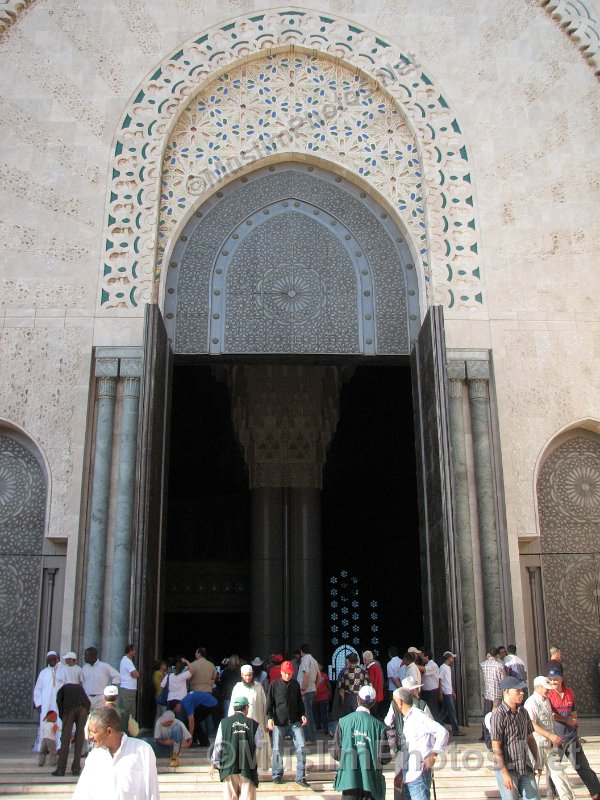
x=23 y=514
x=568 y=495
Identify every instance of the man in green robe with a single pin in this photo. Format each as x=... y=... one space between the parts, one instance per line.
x=234 y=753
x=361 y=747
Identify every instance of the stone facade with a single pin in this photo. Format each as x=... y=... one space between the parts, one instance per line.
x=473 y=125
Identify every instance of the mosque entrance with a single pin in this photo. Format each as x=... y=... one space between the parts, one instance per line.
x=367 y=521
x=300 y=391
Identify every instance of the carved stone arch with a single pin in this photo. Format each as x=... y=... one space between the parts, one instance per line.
x=568 y=495
x=23 y=513
x=443 y=203
x=292 y=259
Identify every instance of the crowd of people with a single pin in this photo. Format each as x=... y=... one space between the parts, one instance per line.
x=369 y=713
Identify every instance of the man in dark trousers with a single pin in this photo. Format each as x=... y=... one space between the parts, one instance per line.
x=285 y=713
x=234 y=754
x=73 y=709
x=360 y=745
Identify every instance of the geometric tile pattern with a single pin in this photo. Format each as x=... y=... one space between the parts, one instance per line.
x=443 y=233
x=569 y=506
x=22 y=515
x=291 y=259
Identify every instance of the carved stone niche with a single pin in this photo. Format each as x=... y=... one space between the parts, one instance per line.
x=284 y=417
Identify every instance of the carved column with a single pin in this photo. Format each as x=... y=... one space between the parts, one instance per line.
x=456 y=383
x=268 y=578
x=121 y=572
x=479 y=402
x=305 y=556
x=106 y=387
x=284 y=418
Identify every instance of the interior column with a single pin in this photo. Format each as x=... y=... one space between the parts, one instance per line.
x=284 y=417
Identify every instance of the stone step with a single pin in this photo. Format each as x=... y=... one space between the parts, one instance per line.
x=463 y=775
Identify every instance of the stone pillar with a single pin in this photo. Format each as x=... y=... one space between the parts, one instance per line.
x=267 y=570
x=106 y=386
x=479 y=401
x=305 y=568
x=121 y=571
x=462 y=511
x=284 y=418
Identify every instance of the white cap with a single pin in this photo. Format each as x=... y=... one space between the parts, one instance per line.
x=111 y=691
x=70 y=654
x=541 y=680
x=246 y=668
x=413 y=650
x=367 y=693
x=410 y=683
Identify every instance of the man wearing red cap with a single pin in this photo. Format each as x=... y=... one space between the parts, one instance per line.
x=285 y=714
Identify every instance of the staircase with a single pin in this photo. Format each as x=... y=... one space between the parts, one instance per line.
x=463 y=774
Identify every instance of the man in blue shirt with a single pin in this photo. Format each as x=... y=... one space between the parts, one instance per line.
x=193 y=709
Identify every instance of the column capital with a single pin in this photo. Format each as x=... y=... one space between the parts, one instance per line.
x=284 y=418
x=478 y=389
x=106 y=387
x=131 y=387
x=455 y=387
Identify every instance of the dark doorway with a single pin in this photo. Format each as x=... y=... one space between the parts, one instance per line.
x=370 y=517
x=207 y=548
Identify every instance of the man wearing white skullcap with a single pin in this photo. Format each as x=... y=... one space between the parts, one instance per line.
x=73 y=671
x=49 y=681
x=257 y=709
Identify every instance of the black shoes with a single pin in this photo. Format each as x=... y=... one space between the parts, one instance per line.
x=59 y=773
x=278 y=779
x=75 y=772
x=303 y=782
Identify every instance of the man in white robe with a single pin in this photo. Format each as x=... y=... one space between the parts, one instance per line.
x=257 y=709
x=119 y=767
x=49 y=681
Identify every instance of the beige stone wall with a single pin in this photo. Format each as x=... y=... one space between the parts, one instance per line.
x=528 y=102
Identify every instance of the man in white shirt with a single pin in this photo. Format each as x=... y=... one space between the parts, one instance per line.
x=447 y=695
x=118 y=768
x=540 y=712
x=422 y=741
x=72 y=669
x=97 y=675
x=308 y=676
x=431 y=683
x=393 y=671
x=129 y=675
x=49 y=681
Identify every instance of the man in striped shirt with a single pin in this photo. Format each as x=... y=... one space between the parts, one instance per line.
x=493 y=675
x=512 y=733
